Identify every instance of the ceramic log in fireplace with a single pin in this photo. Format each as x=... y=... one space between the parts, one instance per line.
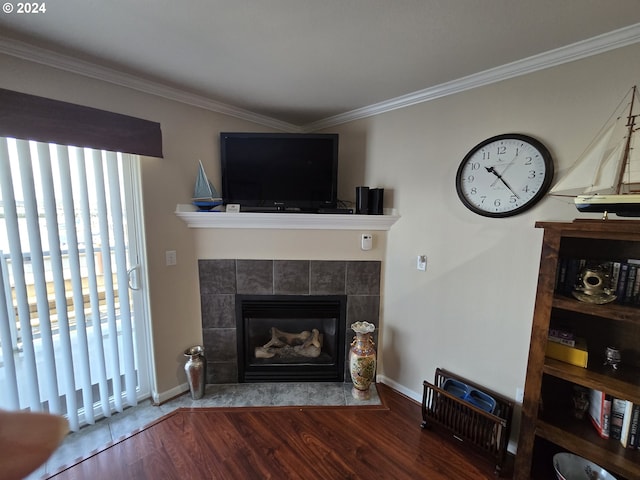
x=291 y=337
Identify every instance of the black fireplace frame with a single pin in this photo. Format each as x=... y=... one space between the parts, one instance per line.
x=291 y=306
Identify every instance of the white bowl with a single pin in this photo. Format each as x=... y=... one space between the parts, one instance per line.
x=572 y=467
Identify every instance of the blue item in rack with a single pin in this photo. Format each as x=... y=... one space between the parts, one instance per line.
x=455 y=387
x=473 y=396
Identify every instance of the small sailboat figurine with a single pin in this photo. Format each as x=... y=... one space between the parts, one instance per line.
x=606 y=178
x=205 y=196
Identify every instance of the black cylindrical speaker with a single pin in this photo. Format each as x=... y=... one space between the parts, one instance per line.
x=376 y=196
x=362 y=200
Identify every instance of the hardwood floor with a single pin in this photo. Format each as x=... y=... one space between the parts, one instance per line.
x=286 y=443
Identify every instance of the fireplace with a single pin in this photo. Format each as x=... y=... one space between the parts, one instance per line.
x=224 y=281
x=290 y=337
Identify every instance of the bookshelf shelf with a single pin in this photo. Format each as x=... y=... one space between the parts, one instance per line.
x=612 y=311
x=623 y=384
x=579 y=435
x=547 y=411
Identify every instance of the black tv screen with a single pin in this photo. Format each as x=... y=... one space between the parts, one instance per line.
x=279 y=171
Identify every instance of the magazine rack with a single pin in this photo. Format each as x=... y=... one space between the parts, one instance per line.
x=486 y=433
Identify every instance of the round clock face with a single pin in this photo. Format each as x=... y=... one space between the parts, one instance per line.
x=504 y=175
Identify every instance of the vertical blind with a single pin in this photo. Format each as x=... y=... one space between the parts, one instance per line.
x=66 y=329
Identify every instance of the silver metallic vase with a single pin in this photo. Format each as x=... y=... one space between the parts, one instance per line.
x=196 y=370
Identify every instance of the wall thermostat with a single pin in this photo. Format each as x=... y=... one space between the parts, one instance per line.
x=367 y=241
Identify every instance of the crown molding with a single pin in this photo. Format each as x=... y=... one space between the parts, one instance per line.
x=68 y=63
x=593 y=46
x=576 y=51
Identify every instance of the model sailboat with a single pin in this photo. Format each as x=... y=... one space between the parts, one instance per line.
x=205 y=196
x=607 y=177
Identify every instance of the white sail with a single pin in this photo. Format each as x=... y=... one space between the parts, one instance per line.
x=606 y=176
x=596 y=170
x=204 y=189
x=609 y=166
x=632 y=173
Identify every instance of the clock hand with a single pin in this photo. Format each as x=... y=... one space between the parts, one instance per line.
x=505 y=169
x=493 y=170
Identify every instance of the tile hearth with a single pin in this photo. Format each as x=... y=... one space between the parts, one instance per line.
x=92 y=437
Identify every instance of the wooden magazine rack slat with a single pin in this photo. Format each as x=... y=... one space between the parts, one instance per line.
x=486 y=433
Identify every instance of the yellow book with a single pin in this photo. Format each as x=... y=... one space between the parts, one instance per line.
x=577 y=355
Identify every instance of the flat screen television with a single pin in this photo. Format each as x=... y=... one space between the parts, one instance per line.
x=279 y=171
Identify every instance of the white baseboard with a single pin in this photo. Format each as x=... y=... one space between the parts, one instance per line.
x=161 y=397
x=399 y=388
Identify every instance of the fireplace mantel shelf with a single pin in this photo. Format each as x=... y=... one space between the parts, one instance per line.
x=293 y=221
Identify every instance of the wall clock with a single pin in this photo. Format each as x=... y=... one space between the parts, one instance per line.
x=504 y=175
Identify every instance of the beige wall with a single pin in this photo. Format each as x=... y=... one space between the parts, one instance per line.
x=189 y=134
x=471 y=310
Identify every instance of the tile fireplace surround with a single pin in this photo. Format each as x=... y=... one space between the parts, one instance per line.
x=221 y=280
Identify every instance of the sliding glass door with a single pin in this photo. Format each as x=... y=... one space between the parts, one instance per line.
x=73 y=316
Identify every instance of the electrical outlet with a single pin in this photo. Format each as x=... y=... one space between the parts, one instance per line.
x=422 y=263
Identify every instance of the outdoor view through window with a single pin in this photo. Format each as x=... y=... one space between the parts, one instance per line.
x=70 y=284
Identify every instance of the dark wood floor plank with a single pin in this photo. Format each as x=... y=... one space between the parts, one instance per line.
x=287 y=443
x=269 y=443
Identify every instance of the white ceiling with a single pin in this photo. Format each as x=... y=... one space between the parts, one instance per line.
x=308 y=63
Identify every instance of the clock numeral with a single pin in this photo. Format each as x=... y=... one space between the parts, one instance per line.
x=473 y=191
x=486 y=155
x=475 y=166
x=471 y=178
x=497 y=202
x=532 y=174
x=528 y=160
x=501 y=150
x=513 y=199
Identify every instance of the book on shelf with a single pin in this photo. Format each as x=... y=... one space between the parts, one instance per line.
x=570 y=269
x=614 y=275
x=631 y=295
x=634 y=427
x=618 y=410
x=562 y=335
x=600 y=412
x=576 y=355
x=631 y=282
x=563 y=341
x=621 y=288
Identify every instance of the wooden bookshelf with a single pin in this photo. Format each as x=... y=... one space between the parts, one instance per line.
x=546 y=416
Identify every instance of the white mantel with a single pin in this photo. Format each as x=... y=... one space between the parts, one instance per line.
x=295 y=221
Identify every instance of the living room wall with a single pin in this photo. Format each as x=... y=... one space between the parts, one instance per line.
x=189 y=133
x=470 y=312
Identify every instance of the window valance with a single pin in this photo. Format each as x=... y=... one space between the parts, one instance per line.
x=42 y=119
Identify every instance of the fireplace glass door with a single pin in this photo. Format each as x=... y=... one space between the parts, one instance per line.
x=291 y=338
